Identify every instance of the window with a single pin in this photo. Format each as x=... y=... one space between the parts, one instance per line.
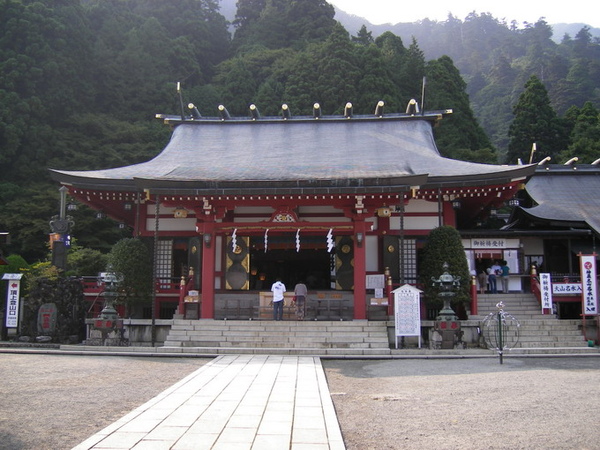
x=408 y=260
x=164 y=263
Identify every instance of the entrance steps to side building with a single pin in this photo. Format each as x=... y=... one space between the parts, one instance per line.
x=536 y=331
x=323 y=338
x=521 y=306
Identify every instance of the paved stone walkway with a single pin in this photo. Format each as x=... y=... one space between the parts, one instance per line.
x=234 y=402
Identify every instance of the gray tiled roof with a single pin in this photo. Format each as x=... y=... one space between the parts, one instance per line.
x=566 y=195
x=298 y=152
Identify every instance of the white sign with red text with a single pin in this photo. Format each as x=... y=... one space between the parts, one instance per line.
x=589 y=295
x=12 y=299
x=546 y=290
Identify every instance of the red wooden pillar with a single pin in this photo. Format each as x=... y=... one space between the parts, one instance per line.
x=449 y=214
x=360 y=269
x=473 y=295
x=182 y=292
x=207 y=306
x=388 y=288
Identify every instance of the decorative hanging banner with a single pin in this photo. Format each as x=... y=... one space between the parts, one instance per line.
x=589 y=296
x=266 y=239
x=330 y=243
x=546 y=290
x=298 y=240
x=234 y=240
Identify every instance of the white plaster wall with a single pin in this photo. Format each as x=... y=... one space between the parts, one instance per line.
x=415 y=223
x=421 y=206
x=173 y=224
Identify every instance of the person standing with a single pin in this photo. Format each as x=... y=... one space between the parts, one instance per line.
x=493 y=272
x=504 y=276
x=300 y=293
x=278 y=289
x=482 y=276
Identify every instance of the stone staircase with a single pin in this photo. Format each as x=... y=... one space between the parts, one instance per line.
x=322 y=338
x=537 y=332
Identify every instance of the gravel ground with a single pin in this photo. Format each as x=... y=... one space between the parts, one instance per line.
x=57 y=401
x=524 y=403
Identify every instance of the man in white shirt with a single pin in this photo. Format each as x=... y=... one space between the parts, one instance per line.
x=278 y=289
x=494 y=272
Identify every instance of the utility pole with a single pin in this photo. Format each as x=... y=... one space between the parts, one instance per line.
x=61 y=226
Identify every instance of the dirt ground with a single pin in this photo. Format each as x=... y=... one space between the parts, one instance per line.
x=524 y=403
x=51 y=402
x=57 y=401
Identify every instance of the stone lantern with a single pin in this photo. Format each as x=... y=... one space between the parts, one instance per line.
x=109 y=313
x=447 y=332
x=448 y=285
x=108 y=321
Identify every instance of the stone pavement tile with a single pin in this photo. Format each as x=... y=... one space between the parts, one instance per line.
x=220 y=409
x=334 y=432
x=208 y=425
x=147 y=444
x=249 y=410
x=195 y=441
x=120 y=440
x=308 y=421
x=281 y=417
x=139 y=426
x=244 y=421
x=278 y=405
x=296 y=446
x=309 y=436
x=271 y=442
x=237 y=436
x=166 y=433
x=184 y=416
x=153 y=414
x=235 y=402
x=90 y=442
x=277 y=428
x=228 y=446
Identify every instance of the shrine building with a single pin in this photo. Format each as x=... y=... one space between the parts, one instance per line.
x=327 y=200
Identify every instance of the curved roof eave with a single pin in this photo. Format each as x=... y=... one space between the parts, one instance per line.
x=565 y=196
x=349 y=153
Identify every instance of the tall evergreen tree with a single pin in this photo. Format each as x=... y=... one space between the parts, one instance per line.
x=338 y=71
x=584 y=125
x=412 y=71
x=444 y=246
x=363 y=37
x=282 y=23
x=534 y=122
x=447 y=89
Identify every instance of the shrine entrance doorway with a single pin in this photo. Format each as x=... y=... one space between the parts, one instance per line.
x=311 y=265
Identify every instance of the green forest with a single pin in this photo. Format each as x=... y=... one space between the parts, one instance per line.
x=82 y=80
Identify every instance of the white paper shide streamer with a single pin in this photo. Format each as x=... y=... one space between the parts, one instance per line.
x=330 y=244
x=298 y=240
x=266 y=239
x=234 y=240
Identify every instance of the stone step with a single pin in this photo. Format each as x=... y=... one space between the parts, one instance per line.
x=331 y=352
x=535 y=329
x=553 y=350
x=339 y=352
x=283 y=334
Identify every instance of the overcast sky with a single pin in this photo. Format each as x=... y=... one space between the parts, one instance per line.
x=394 y=11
